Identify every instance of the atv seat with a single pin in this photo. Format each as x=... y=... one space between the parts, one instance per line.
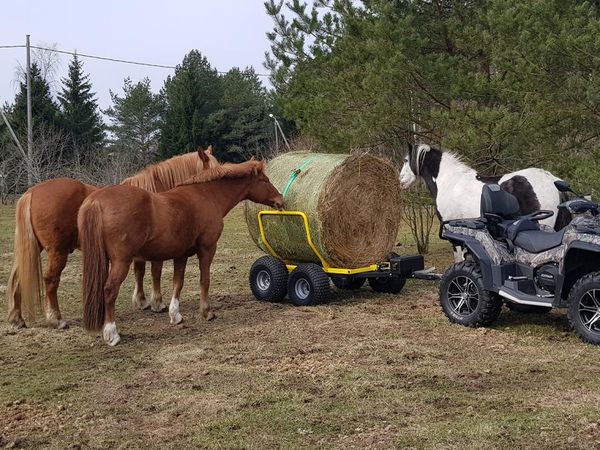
x=536 y=241
x=508 y=224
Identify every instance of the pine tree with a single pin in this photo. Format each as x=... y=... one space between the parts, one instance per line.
x=243 y=123
x=44 y=110
x=192 y=95
x=136 y=118
x=79 y=109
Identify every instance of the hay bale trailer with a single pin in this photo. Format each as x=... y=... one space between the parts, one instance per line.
x=340 y=224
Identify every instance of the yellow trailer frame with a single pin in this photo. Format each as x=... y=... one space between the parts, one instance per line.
x=327 y=268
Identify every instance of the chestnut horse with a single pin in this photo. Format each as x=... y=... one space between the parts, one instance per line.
x=121 y=224
x=46 y=219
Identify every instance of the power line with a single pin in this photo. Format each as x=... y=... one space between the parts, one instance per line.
x=104 y=58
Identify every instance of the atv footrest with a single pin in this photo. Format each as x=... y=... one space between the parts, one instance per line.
x=523 y=298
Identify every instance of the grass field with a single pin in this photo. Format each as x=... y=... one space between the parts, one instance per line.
x=364 y=371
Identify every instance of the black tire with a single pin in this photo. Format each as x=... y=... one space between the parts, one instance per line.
x=348 y=283
x=268 y=279
x=479 y=307
x=528 y=309
x=387 y=285
x=308 y=285
x=584 y=306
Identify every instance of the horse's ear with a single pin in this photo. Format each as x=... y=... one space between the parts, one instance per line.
x=209 y=150
x=252 y=158
x=204 y=158
x=409 y=148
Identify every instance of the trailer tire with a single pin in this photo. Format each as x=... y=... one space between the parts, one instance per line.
x=387 y=285
x=308 y=285
x=464 y=299
x=268 y=279
x=348 y=283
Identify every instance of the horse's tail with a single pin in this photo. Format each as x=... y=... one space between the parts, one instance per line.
x=25 y=280
x=563 y=217
x=95 y=264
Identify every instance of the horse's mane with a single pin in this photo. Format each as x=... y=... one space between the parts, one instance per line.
x=226 y=170
x=168 y=173
x=418 y=157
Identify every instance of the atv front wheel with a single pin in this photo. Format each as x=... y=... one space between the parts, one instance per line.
x=463 y=298
x=584 y=308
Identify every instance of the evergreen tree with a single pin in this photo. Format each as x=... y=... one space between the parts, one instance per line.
x=136 y=118
x=508 y=84
x=44 y=111
x=79 y=109
x=242 y=122
x=191 y=95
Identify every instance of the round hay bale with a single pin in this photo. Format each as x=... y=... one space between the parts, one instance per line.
x=352 y=203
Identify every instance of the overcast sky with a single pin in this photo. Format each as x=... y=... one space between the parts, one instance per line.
x=228 y=32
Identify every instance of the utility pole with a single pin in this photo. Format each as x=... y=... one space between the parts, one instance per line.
x=276 y=137
x=278 y=128
x=29 y=119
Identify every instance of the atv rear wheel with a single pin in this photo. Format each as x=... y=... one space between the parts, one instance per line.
x=464 y=299
x=584 y=308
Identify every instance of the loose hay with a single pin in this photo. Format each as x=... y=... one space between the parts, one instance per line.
x=352 y=203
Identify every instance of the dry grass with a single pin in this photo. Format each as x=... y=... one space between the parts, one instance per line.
x=365 y=370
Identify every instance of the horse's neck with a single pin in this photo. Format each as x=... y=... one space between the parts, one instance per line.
x=457 y=190
x=226 y=192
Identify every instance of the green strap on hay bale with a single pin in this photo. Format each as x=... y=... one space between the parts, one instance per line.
x=352 y=203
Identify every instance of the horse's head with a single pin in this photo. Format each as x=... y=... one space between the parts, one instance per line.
x=207 y=158
x=413 y=164
x=261 y=190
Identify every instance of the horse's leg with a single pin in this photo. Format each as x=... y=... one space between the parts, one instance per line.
x=205 y=257
x=156 y=301
x=15 y=316
x=116 y=276
x=139 y=297
x=57 y=261
x=178 y=277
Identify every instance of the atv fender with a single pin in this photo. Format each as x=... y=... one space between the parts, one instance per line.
x=580 y=259
x=476 y=249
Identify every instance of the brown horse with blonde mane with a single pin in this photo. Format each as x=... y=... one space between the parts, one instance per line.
x=46 y=219
x=121 y=224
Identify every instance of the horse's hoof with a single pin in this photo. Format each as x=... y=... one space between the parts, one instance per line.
x=16 y=321
x=110 y=334
x=210 y=316
x=17 y=325
x=62 y=325
x=159 y=308
x=176 y=319
x=144 y=306
x=139 y=301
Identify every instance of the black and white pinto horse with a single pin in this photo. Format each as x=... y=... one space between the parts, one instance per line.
x=456 y=187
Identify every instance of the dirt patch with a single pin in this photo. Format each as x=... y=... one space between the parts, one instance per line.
x=363 y=371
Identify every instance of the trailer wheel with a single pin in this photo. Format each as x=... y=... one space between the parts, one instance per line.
x=387 y=285
x=268 y=279
x=308 y=285
x=348 y=283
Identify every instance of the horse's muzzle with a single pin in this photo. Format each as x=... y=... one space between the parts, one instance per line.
x=278 y=202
